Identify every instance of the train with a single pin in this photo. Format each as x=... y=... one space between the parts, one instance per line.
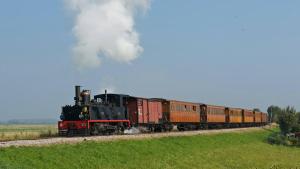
x=111 y=113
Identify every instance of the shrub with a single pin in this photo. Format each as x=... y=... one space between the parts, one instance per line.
x=280 y=139
x=277 y=138
x=295 y=128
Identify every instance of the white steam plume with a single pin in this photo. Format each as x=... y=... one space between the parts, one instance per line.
x=105 y=28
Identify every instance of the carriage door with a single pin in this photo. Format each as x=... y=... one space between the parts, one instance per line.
x=227 y=119
x=243 y=116
x=203 y=118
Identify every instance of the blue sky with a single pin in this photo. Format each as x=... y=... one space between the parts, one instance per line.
x=235 y=53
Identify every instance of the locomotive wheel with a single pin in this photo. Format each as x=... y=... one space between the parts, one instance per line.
x=70 y=133
x=94 y=131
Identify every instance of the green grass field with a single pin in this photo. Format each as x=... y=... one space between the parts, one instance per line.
x=26 y=131
x=230 y=150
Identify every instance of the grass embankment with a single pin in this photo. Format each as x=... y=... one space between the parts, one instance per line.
x=24 y=131
x=230 y=150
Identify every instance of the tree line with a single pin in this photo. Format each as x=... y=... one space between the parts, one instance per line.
x=287 y=118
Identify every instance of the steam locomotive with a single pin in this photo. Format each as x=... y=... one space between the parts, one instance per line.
x=115 y=113
x=105 y=114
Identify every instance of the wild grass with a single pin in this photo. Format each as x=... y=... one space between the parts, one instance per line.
x=229 y=150
x=20 y=132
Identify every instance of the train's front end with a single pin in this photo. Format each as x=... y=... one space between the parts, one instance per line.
x=105 y=114
x=74 y=118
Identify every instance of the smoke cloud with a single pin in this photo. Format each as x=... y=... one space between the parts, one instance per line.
x=106 y=28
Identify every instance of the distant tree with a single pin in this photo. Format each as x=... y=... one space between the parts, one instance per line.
x=296 y=127
x=273 y=112
x=298 y=117
x=287 y=120
x=256 y=109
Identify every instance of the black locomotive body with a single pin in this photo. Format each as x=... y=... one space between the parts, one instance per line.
x=104 y=114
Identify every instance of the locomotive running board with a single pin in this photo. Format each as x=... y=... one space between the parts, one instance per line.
x=108 y=121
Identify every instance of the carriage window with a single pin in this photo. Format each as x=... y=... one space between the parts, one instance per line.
x=99 y=100
x=178 y=107
x=172 y=107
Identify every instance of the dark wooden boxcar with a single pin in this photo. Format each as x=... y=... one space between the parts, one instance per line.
x=185 y=115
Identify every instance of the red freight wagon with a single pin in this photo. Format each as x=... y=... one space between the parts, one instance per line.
x=144 y=111
x=155 y=111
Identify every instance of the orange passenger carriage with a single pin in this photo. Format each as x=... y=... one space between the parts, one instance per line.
x=264 y=118
x=235 y=116
x=212 y=116
x=185 y=115
x=248 y=117
x=258 y=117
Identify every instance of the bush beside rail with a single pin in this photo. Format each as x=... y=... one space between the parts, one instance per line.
x=279 y=139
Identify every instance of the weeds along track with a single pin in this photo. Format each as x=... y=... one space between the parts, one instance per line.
x=74 y=140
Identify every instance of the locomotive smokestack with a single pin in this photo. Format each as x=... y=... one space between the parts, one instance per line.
x=105 y=96
x=77 y=95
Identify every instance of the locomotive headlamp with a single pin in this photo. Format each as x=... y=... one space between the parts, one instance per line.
x=84 y=109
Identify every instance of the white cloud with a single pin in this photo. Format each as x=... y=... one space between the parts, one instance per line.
x=106 y=28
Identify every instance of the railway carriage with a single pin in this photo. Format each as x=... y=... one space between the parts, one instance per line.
x=234 y=117
x=264 y=118
x=257 y=118
x=212 y=116
x=185 y=115
x=248 y=117
x=147 y=113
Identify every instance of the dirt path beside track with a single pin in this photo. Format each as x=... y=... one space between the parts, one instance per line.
x=74 y=140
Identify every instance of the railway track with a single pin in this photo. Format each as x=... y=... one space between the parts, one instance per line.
x=74 y=140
